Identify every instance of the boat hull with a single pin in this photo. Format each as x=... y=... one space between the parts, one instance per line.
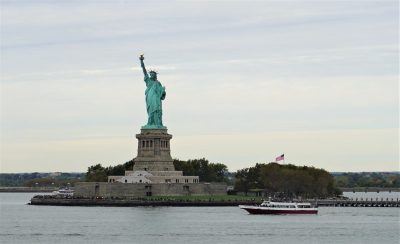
x=253 y=210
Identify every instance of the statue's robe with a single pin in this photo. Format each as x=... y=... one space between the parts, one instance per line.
x=155 y=92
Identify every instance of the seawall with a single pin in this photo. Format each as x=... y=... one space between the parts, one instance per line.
x=136 y=203
x=57 y=201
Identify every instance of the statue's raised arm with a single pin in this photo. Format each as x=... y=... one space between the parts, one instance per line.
x=142 y=64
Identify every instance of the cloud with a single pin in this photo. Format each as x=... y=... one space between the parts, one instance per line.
x=70 y=72
x=334 y=150
x=158 y=67
x=77 y=155
x=337 y=150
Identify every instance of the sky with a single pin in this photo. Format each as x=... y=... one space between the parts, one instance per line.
x=246 y=81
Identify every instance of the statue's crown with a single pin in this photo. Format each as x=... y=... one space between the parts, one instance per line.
x=153 y=71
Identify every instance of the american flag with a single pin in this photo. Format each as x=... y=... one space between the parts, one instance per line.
x=282 y=157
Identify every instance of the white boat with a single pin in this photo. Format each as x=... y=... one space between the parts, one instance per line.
x=269 y=207
x=64 y=192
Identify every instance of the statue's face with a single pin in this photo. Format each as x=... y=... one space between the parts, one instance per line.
x=153 y=75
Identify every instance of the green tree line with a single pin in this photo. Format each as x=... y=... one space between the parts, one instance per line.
x=39 y=179
x=207 y=172
x=366 y=179
x=98 y=173
x=289 y=179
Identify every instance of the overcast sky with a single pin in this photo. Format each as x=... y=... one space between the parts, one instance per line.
x=246 y=81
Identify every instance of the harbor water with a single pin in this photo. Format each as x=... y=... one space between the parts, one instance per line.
x=22 y=223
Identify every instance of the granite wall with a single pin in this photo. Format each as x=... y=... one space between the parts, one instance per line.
x=105 y=189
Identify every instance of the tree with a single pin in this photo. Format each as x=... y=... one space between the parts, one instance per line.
x=96 y=173
x=288 y=179
x=207 y=172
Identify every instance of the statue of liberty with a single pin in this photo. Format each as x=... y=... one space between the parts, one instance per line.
x=155 y=92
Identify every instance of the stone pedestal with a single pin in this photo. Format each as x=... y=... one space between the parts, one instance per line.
x=154 y=164
x=154 y=153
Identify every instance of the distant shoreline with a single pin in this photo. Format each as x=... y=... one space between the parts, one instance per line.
x=51 y=189
x=28 y=189
x=369 y=189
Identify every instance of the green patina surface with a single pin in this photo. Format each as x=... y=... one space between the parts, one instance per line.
x=155 y=93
